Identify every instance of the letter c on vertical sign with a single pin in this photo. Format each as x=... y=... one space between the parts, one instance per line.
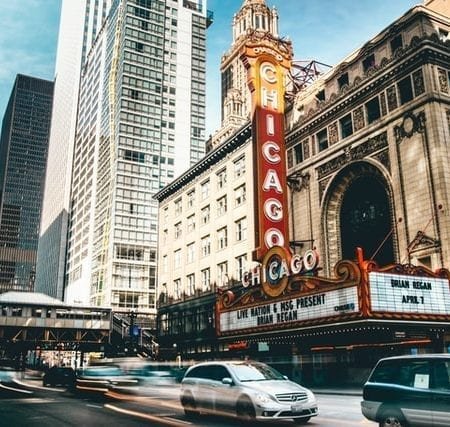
x=270 y=151
x=268 y=72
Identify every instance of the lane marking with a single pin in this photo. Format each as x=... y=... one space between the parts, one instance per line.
x=91 y=405
x=15 y=389
x=29 y=385
x=166 y=421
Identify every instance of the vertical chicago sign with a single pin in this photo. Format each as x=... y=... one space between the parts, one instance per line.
x=267 y=63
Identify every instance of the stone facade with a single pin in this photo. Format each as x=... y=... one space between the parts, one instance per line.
x=392 y=131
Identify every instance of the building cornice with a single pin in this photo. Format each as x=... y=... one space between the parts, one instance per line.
x=231 y=144
x=419 y=52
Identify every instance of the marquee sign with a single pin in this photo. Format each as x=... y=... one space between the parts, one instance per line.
x=409 y=294
x=282 y=313
x=278 y=294
x=266 y=69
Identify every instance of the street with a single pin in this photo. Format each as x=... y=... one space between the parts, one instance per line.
x=30 y=405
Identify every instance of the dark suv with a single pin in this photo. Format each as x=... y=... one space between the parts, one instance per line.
x=409 y=391
x=59 y=375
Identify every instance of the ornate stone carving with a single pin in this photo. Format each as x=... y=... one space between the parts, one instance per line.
x=383 y=106
x=333 y=134
x=306 y=149
x=410 y=125
x=391 y=98
x=358 y=118
x=418 y=82
x=359 y=152
x=443 y=80
x=383 y=158
x=422 y=241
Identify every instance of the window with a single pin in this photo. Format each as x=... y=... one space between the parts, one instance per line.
x=396 y=43
x=239 y=195
x=191 y=198
x=178 y=207
x=298 y=153
x=222 y=206
x=322 y=139
x=346 y=125
x=241 y=229
x=221 y=179
x=405 y=90
x=205 y=189
x=368 y=62
x=206 y=279
x=191 y=284
x=178 y=230
x=206 y=245
x=191 y=223
x=205 y=214
x=165 y=266
x=222 y=273
x=190 y=253
x=177 y=288
x=373 y=110
x=343 y=80
x=177 y=258
x=239 y=167
x=241 y=266
x=222 y=238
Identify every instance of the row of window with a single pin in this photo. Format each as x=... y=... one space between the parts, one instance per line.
x=240 y=229
x=394 y=96
x=190 y=286
x=205 y=191
x=240 y=197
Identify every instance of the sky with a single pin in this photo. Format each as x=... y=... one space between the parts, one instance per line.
x=324 y=30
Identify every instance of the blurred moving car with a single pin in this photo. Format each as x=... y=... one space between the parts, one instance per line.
x=59 y=375
x=248 y=390
x=409 y=391
x=7 y=374
x=102 y=378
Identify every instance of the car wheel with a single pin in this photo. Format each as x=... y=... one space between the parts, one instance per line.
x=245 y=409
x=189 y=406
x=300 y=421
x=392 y=419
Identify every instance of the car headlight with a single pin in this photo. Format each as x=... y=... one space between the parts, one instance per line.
x=262 y=398
x=310 y=395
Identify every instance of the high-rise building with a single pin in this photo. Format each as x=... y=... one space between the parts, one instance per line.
x=23 y=153
x=140 y=123
x=80 y=23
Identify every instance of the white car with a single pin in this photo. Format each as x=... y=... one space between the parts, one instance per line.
x=248 y=390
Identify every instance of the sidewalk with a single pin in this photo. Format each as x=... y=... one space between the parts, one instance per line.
x=345 y=390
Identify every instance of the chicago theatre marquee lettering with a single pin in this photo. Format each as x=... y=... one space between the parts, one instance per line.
x=266 y=71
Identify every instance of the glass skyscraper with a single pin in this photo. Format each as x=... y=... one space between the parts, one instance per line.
x=23 y=154
x=140 y=123
x=80 y=23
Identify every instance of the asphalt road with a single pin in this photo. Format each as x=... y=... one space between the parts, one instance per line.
x=31 y=405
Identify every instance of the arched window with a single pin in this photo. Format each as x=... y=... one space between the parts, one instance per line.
x=366 y=221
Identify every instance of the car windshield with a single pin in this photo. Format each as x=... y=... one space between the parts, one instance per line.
x=256 y=372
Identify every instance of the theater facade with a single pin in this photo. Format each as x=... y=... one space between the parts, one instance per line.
x=315 y=234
